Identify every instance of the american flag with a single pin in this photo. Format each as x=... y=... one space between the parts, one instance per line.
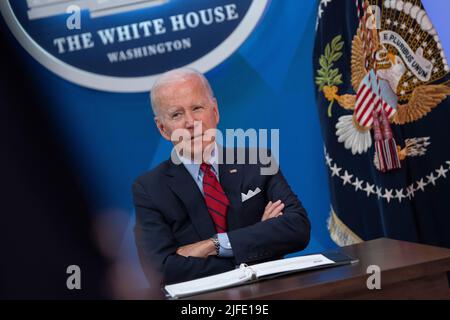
x=368 y=99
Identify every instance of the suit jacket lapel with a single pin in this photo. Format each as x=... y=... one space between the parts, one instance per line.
x=186 y=189
x=231 y=181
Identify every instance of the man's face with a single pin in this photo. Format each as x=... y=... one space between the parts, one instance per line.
x=187 y=105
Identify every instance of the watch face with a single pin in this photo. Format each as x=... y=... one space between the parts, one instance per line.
x=121 y=45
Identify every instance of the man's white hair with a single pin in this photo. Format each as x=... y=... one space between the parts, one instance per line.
x=176 y=76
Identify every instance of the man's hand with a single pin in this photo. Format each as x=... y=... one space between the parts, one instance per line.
x=273 y=210
x=200 y=249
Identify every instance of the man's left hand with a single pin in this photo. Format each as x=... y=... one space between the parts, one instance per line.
x=201 y=249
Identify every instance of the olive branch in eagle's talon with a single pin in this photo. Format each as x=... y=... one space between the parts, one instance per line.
x=328 y=78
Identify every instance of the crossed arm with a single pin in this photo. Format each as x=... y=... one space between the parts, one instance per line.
x=284 y=228
x=205 y=248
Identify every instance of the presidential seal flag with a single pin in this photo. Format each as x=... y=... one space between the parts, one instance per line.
x=382 y=82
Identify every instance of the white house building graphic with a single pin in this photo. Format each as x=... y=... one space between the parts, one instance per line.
x=39 y=9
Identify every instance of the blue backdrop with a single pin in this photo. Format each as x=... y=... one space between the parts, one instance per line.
x=268 y=83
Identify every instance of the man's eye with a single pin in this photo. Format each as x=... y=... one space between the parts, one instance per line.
x=176 y=115
x=198 y=108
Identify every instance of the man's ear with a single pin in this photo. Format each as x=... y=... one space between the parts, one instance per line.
x=161 y=128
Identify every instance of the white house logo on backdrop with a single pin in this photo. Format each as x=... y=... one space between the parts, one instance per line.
x=122 y=45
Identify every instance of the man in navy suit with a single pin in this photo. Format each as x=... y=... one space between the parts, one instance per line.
x=204 y=212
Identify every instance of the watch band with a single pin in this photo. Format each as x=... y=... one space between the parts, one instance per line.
x=216 y=242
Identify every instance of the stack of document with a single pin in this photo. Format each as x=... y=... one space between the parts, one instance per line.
x=39 y=9
x=246 y=274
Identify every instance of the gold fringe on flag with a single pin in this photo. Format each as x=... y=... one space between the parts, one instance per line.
x=340 y=233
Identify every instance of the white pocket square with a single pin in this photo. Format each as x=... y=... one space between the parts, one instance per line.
x=250 y=194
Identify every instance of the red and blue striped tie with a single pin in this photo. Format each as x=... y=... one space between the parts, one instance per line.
x=215 y=198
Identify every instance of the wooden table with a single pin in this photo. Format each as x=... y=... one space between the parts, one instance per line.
x=408 y=271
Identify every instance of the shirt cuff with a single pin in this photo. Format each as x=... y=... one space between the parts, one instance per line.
x=225 y=250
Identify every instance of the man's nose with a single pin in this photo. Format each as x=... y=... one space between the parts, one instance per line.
x=190 y=120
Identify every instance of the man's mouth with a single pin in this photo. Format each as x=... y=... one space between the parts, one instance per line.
x=198 y=136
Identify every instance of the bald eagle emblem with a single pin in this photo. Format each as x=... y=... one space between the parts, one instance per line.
x=408 y=62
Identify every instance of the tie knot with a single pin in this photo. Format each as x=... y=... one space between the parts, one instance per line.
x=205 y=167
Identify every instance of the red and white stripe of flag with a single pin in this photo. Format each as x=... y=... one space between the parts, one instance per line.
x=367 y=101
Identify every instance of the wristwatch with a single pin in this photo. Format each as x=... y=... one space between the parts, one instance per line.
x=216 y=242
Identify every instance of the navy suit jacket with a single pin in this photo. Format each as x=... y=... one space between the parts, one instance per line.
x=171 y=212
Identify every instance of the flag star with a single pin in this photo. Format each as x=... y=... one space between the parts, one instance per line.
x=403 y=92
x=335 y=170
x=320 y=12
x=442 y=172
x=388 y=21
x=358 y=184
x=369 y=189
x=433 y=61
x=406 y=84
x=432 y=179
x=325 y=2
x=410 y=194
x=448 y=162
x=399 y=195
x=346 y=178
x=430 y=52
x=403 y=27
x=421 y=185
x=415 y=81
x=425 y=44
x=413 y=191
x=328 y=159
x=409 y=74
x=418 y=37
x=395 y=23
x=411 y=31
x=436 y=70
x=379 y=193
x=388 y=195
